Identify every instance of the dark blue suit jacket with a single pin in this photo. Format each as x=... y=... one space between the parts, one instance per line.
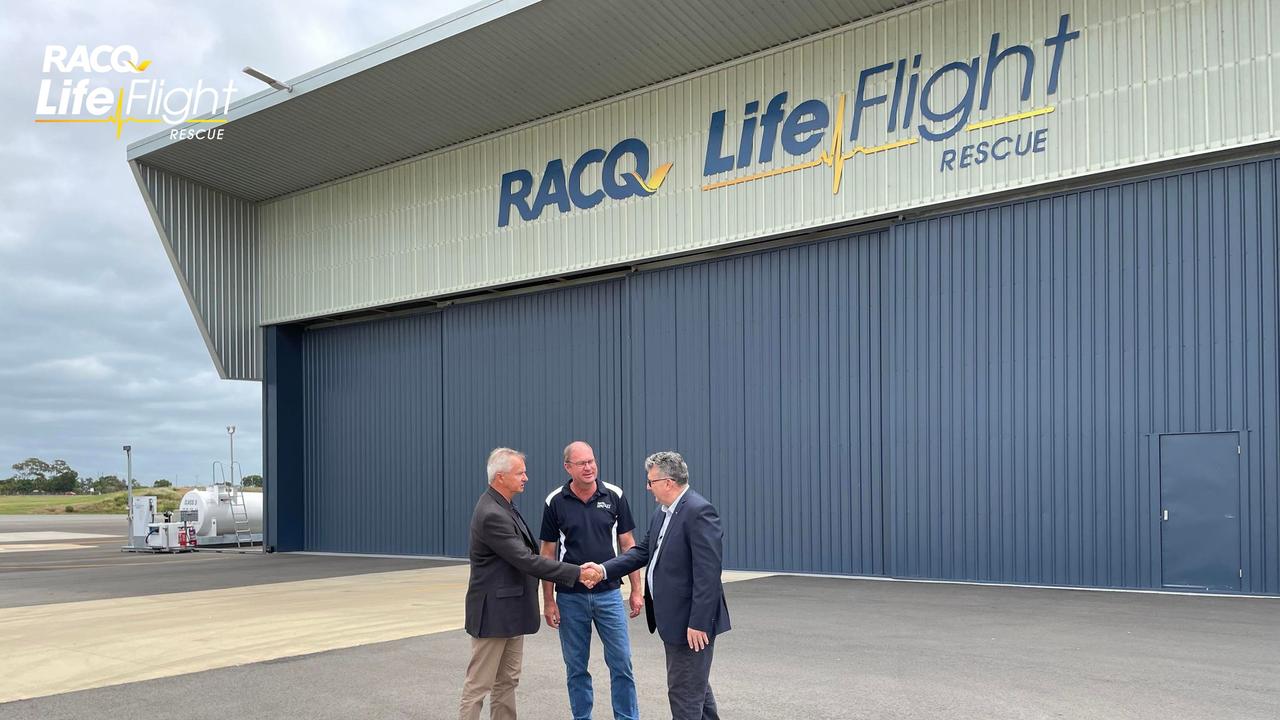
x=687 y=574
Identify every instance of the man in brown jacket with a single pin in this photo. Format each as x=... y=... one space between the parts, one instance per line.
x=502 y=596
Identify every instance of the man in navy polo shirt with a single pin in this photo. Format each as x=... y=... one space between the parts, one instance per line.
x=579 y=525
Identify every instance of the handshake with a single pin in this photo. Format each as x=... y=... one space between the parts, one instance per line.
x=590 y=574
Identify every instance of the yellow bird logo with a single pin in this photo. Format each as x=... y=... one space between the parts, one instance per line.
x=654 y=181
x=140 y=67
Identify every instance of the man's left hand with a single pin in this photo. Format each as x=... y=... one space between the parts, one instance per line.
x=697 y=640
x=637 y=604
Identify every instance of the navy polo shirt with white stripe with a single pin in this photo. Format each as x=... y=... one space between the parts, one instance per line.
x=586 y=531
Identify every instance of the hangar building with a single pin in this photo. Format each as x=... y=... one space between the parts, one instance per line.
x=981 y=290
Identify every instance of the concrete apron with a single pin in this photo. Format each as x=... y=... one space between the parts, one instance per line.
x=64 y=647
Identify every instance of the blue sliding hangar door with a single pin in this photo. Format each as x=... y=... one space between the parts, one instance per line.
x=1056 y=364
x=400 y=414
x=1013 y=393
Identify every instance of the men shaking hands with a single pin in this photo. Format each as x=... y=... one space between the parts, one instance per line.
x=591 y=575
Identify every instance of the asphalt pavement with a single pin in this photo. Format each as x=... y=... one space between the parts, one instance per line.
x=99 y=569
x=833 y=649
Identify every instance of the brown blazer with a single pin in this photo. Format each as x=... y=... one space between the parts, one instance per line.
x=502 y=595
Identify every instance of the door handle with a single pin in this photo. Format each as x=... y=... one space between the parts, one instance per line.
x=1164 y=515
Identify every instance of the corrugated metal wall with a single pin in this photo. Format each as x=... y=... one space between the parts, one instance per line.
x=1145 y=81
x=763 y=371
x=401 y=413
x=534 y=373
x=978 y=396
x=211 y=239
x=1039 y=350
x=372 y=437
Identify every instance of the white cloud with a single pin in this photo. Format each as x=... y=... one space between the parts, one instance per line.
x=97 y=346
x=86 y=367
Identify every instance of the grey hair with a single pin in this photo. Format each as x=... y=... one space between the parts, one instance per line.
x=670 y=464
x=500 y=461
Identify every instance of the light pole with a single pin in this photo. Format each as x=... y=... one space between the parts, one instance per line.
x=128 y=484
x=231 y=438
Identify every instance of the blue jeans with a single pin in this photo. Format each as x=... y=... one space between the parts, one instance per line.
x=606 y=609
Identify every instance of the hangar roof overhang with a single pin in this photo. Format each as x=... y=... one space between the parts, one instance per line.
x=495 y=65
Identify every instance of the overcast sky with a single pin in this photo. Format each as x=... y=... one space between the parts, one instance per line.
x=98 y=348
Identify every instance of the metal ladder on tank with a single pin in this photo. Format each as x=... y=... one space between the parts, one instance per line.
x=240 y=512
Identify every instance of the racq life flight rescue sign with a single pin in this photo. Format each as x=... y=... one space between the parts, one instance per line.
x=939 y=101
x=909 y=107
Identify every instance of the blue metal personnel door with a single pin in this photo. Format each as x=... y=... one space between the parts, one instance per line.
x=1200 y=509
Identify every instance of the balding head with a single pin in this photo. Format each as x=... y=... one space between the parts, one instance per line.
x=576 y=445
x=580 y=463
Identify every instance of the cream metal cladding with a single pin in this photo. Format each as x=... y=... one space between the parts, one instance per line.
x=1142 y=82
x=209 y=238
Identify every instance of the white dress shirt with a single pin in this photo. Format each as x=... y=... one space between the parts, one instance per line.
x=670 y=510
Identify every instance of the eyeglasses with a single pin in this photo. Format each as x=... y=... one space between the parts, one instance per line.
x=582 y=463
x=651 y=482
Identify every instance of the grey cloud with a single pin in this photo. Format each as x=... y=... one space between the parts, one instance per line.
x=97 y=345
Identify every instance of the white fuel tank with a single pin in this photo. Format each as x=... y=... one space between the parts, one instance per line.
x=214 y=503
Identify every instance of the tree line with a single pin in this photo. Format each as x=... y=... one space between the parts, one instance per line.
x=33 y=476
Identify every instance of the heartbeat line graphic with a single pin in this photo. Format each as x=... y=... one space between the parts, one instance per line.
x=835 y=156
x=1009 y=118
x=835 y=159
x=119 y=119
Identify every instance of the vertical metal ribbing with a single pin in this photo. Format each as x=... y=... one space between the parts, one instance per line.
x=211 y=240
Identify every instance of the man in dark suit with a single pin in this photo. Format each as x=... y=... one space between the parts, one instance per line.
x=684 y=600
x=502 y=595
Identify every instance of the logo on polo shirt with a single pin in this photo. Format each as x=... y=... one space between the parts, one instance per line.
x=602 y=505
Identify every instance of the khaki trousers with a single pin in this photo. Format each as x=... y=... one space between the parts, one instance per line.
x=494 y=670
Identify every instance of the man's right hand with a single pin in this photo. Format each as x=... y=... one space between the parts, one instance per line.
x=551 y=612
x=590 y=574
